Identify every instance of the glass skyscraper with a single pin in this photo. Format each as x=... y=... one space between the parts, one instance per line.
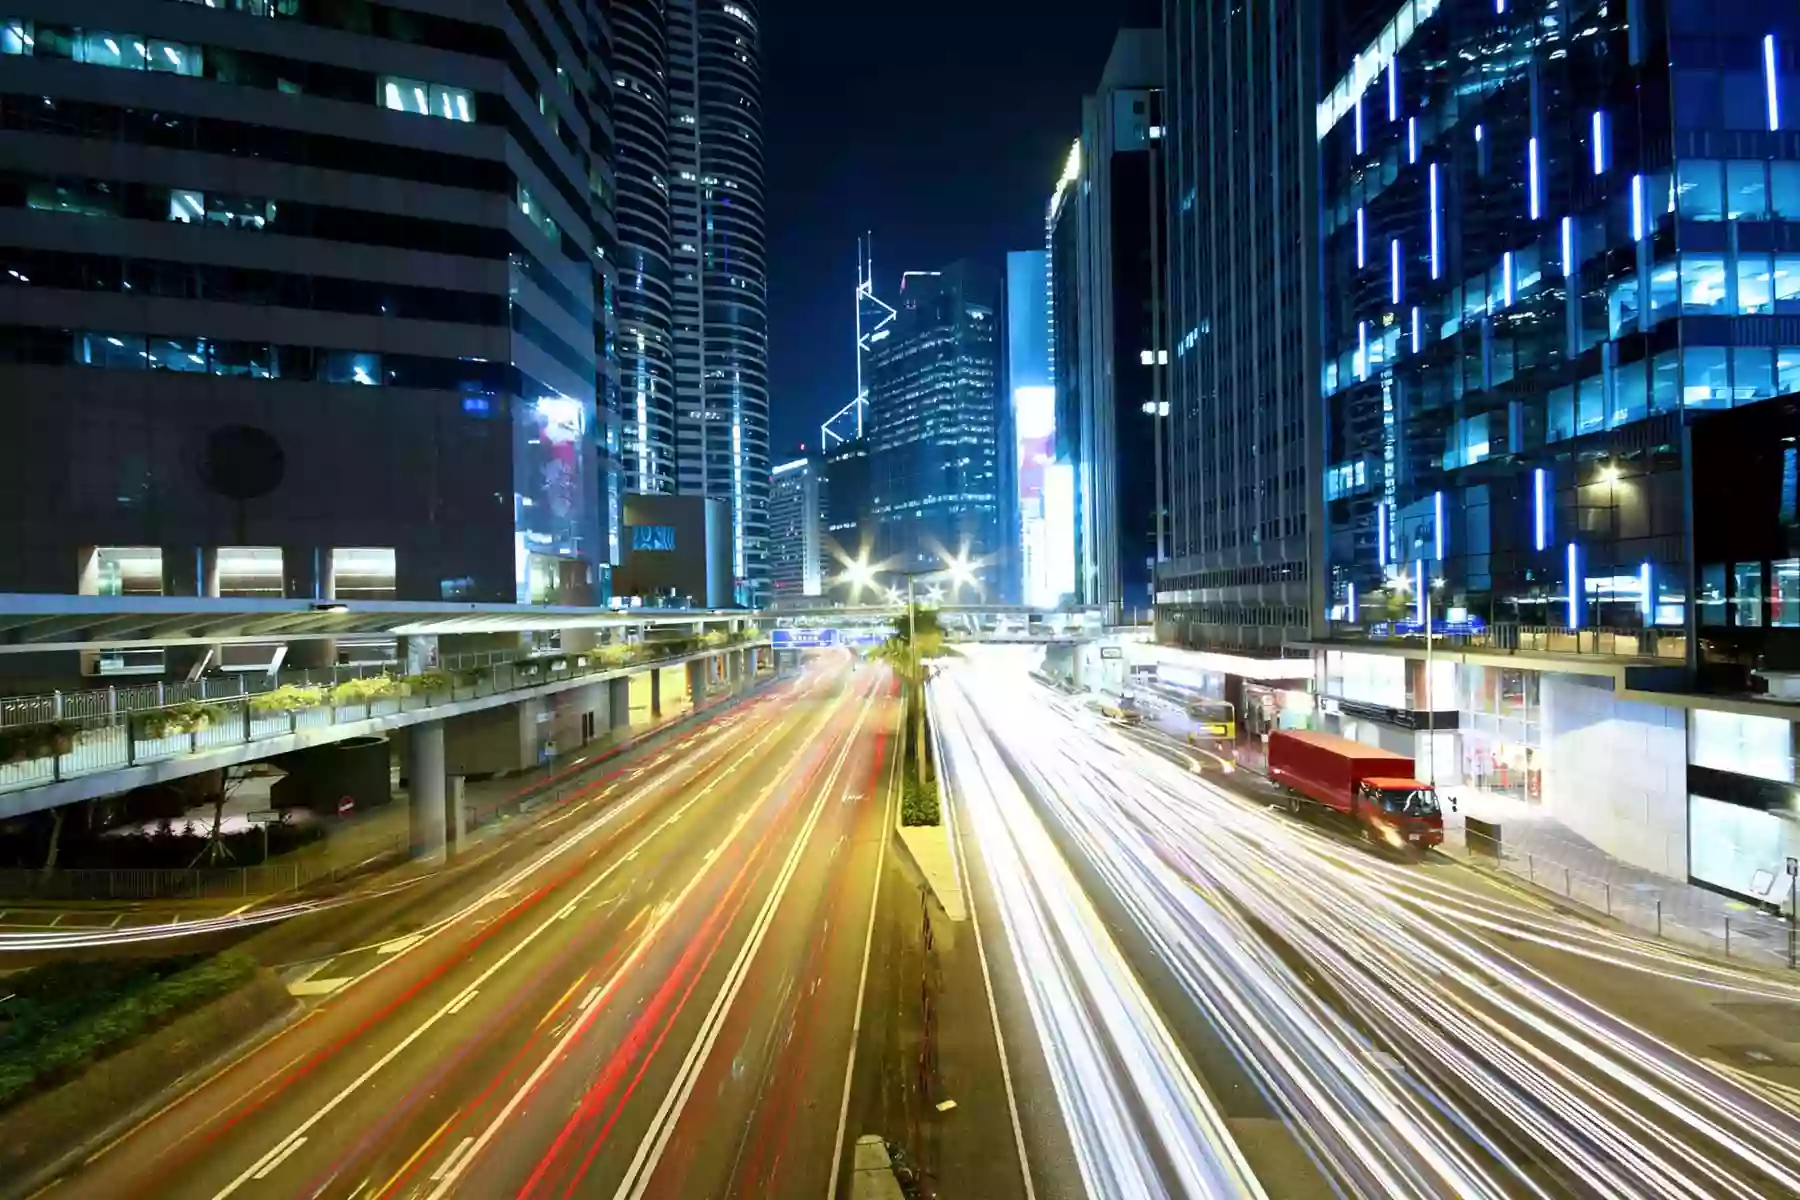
x=935 y=426
x=1553 y=235
x=1243 y=290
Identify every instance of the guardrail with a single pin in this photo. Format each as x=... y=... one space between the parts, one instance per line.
x=194 y=883
x=1507 y=637
x=78 y=742
x=1759 y=939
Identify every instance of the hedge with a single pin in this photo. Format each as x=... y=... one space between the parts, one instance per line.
x=919 y=802
x=63 y=1017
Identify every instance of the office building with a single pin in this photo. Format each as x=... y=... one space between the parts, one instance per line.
x=1561 y=270
x=1243 y=290
x=645 y=257
x=305 y=300
x=935 y=426
x=677 y=553
x=1044 y=535
x=1105 y=233
x=846 y=500
x=796 y=528
x=693 y=322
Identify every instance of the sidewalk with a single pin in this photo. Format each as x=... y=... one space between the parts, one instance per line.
x=1544 y=852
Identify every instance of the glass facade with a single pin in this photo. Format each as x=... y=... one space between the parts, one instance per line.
x=1242 y=325
x=1545 y=248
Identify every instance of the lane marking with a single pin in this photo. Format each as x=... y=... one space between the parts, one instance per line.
x=400 y=943
x=987 y=983
x=588 y=1000
x=558 y=1002
x=406 y=1166
x=454 y=1158
x=664 y=913
x=462 y=1001
x=862 y=979
x=425 y=1026
x=668 y=1114
x=280 y=1158
x=318 y=987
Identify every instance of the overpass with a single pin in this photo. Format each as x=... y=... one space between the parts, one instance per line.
x=138 y=690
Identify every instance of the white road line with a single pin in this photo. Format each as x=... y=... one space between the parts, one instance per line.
x=862 y=981
x=987 y=984
x=420 y=1030
x=456 y=1156
x=280 y=1157
x=462 y=1001
x=668 y=1113
x=588 y=1000
x=644 y=941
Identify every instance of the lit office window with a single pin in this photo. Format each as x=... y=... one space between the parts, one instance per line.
x=534 y=212
x=187 y=207
x=426 y=99
x=176 y=58
x=353 y=366
x=16 y=37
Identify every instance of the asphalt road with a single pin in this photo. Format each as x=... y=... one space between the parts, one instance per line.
x=1223 y=1000
x=653 y=994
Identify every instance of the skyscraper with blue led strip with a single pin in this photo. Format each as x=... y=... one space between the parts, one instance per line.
x=1553 y=236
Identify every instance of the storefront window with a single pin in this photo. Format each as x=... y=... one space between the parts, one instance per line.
x=1747 y=594
x=1762 y=747
x=1711 y=600
x=1742 y=850
x=1784 y=592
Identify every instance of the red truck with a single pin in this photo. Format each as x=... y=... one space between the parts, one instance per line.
x=1373 y=787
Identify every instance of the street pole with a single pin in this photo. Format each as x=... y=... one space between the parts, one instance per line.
x=918 y=682
x=1430 y=698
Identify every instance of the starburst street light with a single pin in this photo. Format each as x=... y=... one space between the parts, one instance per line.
x=860 y=575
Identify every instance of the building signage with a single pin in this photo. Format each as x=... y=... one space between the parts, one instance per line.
x=1400 y=718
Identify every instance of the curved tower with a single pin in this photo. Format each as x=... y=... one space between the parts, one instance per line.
x=641 y=208
x=720 y=275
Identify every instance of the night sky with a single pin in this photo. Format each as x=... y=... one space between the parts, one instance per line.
x=941 y=125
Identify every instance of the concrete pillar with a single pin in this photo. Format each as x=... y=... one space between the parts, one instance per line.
x=618 y=702
x=425 y=784
x=697 y=670
x=209 y=572
x=456 y=816
x=656 y=691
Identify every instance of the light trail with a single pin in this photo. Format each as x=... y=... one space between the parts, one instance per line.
x=1135 y=1110
x=1386 y=1014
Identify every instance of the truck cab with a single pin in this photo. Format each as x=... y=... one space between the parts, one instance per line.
x=1402 y=812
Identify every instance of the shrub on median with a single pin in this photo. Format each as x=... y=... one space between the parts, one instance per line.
x=919 y=801
x=61 y=1018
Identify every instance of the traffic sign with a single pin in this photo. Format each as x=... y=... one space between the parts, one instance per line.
x=264 y=816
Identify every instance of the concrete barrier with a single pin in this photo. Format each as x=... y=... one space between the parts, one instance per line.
x=872 y=1172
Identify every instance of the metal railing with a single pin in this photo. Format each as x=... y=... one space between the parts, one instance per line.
x=85 y=733
x=1756 y=938
x=1509 y=637
x=192 y=883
